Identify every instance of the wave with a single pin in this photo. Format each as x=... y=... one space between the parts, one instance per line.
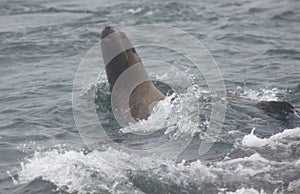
x=75 y=171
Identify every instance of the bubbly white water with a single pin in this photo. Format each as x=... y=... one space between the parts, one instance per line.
x=247 y=191
x=281 y=139
x=177 y=113
x=265 y=94
x=75 y=171
x=252 y=141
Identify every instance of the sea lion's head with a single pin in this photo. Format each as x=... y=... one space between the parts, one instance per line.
x=117 y=52
x=113 y=53
x=106 y=31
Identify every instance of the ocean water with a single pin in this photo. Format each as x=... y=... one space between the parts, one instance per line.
x=256 y=45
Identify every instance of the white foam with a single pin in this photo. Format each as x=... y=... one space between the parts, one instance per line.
x=157 y=120
x=264 y=94
x=283 y=139
x=253 y=158
x=12 y=177
x=135 y=11
x=247 y=191
x=178 y=114
x=73 y=171
x=294 y=186
x=252 y=140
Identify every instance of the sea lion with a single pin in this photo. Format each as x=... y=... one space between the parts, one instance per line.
x=277 y=107
x=118 y=55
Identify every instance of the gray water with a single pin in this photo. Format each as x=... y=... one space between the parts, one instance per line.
x=256 y=45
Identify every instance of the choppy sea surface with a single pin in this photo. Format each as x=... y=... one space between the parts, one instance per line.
x=256 y=45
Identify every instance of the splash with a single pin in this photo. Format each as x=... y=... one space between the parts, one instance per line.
x=74 y=171
x=177 y=113
x=284 y=139
x=247 y=191
x=253 y=141
x=265 y=94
